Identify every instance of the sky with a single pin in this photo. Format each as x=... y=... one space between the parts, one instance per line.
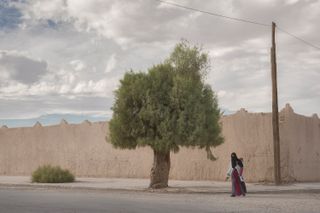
x=64 y=58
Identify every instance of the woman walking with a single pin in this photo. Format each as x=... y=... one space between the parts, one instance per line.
x=233 y=172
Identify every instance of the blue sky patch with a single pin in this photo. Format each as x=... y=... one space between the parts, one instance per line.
x=51 y=23
x=10 y=17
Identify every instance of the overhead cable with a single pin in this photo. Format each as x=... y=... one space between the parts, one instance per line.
x=300 y=39
x=214 y=14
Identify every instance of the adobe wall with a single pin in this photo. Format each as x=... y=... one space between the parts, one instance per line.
x=300 y=146
x=247 y=134
x=82 y=149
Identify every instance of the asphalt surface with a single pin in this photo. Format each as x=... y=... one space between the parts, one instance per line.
x=68 y=201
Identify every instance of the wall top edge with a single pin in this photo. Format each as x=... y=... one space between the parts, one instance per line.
x=61 y=124
x=242 y=111
x=287 y=110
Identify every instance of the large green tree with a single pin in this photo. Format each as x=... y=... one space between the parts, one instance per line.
x=168 y=107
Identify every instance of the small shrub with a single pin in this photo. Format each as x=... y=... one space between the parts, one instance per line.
x=52 y=174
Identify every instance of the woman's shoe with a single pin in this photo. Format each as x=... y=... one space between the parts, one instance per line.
x=232 y=195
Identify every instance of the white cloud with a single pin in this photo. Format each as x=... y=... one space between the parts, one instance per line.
x=4 y=74
x=89 y=40
x=291 y=1
x=221 y=93
x=77 y=65
x=43 y=9
x=13 y=89
x=111 y=63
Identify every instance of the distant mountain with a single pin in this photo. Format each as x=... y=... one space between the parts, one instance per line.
x=227 y=111
x=51 y=119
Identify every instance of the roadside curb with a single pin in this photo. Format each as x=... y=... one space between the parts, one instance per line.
x=169 y=190
x=65 y=188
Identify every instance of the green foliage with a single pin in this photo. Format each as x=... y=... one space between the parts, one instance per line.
x=189 y=61
x=52 y=174
x=168 y=107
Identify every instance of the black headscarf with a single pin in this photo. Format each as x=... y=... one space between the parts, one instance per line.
x=235 y=160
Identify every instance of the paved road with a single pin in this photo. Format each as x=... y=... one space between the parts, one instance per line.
x=48 y=201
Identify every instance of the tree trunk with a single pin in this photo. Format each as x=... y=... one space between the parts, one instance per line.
x=160 y=170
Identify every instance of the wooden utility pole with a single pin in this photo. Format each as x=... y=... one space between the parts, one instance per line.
x=275 y=112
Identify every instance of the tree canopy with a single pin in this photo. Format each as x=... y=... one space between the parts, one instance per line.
x=169 y=106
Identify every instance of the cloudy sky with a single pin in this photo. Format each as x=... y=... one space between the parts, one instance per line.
x=64 y=58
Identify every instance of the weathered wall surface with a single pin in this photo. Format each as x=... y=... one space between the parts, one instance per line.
x=300 y=146
x=247 y=134
x=82 y=149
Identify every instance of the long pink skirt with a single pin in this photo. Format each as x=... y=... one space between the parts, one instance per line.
x=236 y=187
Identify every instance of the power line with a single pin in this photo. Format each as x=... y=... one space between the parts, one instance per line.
x=300 y=39
x=238 y=19
x=214 y=14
